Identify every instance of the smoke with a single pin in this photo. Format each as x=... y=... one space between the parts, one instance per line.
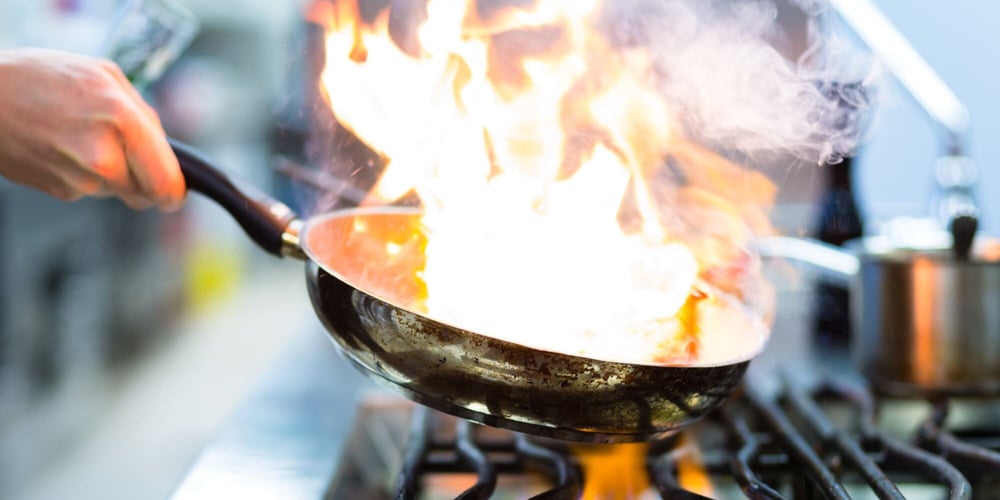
x=722 y=67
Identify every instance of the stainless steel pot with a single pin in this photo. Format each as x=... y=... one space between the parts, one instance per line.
x=925 y=320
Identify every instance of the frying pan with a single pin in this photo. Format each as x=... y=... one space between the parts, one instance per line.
x=359 y=269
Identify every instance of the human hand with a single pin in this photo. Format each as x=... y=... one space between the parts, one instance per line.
x=74 y=126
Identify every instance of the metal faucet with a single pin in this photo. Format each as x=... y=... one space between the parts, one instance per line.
x=955 y=172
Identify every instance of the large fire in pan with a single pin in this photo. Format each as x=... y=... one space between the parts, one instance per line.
x=568 y=203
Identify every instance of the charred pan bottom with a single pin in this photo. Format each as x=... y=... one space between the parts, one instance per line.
x=511 y=386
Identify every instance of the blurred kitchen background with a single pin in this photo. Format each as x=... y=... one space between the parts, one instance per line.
x=127 y=338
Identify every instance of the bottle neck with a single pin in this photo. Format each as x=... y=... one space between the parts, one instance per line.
x=839 y=175
x=839 y=217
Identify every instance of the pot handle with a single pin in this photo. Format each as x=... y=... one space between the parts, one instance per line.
x=829 y=260
x=268 y=222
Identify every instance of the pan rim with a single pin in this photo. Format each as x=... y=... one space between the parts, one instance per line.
x=319 y=219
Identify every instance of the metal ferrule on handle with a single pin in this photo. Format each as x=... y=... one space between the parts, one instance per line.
x=270 y=223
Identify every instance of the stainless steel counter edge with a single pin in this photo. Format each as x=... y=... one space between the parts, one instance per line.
x=285 y=440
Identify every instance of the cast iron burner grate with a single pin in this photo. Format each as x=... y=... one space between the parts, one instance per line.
x=472 y=449
x=830 y=440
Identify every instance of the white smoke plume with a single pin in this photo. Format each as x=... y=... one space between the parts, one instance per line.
x=722 y=66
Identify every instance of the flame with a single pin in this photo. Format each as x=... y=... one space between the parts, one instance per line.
x=691 y=473
x=557 y=186
x=613 y=472
x=619 y=472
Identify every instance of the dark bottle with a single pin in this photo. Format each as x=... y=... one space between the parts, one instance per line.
x=839 y=221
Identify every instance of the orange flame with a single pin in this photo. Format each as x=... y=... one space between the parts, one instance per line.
x=555 y=181
x=613 y=472
x=619 y=472
x=691 y=473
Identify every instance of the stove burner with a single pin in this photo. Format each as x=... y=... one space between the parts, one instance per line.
x=864 y=450
x=829 y=440
x=973 y=451
x=471 y=449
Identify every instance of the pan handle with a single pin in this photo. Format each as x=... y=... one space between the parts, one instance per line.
x=270 y=223
x=829 y=261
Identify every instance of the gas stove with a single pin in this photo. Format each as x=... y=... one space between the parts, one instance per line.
x=827 y=441
x=803 y=425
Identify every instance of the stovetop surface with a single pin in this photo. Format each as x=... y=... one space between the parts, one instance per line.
x=299 y=434
x=833 y=440
x=286 y=439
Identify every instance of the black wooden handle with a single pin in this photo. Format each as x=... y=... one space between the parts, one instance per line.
x=262 y=217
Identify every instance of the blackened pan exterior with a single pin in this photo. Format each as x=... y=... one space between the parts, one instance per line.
x=512 y=386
